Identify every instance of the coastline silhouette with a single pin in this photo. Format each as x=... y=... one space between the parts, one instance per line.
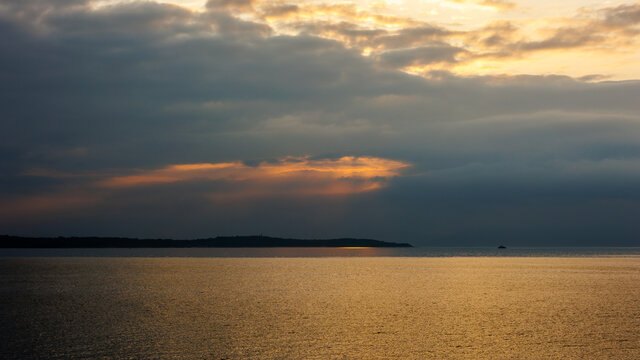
x=7 y=241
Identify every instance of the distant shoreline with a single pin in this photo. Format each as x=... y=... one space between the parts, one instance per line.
x=257 y=241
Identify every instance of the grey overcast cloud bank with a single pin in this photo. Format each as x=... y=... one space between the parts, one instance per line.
x=98 y=104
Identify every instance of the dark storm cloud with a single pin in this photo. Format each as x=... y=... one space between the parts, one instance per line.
x=89 y=94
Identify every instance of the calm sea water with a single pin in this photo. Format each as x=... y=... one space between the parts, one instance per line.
x=473 y=307
x=332 y=252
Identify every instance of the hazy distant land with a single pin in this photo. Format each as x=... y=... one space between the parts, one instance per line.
x=217 y=242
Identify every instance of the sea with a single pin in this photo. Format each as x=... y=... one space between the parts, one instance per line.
x=323 y=303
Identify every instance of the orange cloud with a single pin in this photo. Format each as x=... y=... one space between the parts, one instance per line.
x=290 y=175
x=495 y=4
x=171 y=174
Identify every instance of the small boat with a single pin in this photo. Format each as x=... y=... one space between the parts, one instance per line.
x=502 y=247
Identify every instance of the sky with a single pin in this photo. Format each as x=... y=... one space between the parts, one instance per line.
x=458 y=122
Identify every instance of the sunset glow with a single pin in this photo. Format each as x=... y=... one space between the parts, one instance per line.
x=375 y=170
x=289 y=176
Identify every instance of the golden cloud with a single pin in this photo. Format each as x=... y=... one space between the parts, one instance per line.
x=293 y=175
x=494 y=4
x=289 y=176
x=335 y=12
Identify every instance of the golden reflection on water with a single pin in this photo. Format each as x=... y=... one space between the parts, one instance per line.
x=321 y=308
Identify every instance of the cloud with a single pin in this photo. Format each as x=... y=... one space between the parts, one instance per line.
x=228 y=25
x=421 y=56
x=494 y=4
x=623 y=16
x=343 y=12
x=499 y=41
x=498 y=4
x=565 y=38
x=301 y=175
x=279 y=11
x=244 y=5
x=349 y=24
x=410 y=37
x=290 y=177
x=598 y=30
